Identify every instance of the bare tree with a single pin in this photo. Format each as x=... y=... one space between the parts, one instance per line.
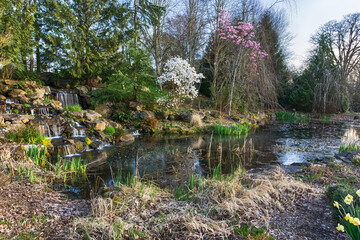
x=345 y=39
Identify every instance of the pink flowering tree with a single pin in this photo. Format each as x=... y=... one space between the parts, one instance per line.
x=236 y=54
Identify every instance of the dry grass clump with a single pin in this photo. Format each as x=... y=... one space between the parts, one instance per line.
x=212 y=210
x=196 y=120
x=252 y=197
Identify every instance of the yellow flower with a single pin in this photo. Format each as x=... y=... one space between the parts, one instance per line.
x=347 y=217
x=358 y=192
x=356 y=221
x=348 y=200
x=340 y=227
x=336 y=204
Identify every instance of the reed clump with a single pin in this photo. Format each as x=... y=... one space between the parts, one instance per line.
x=240 y=129
x=212 y=207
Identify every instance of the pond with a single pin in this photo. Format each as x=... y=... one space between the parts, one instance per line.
x=171 y=160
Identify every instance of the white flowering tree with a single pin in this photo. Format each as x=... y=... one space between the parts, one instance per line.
x=180 y=77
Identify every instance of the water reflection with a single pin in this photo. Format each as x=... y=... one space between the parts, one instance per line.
x=170 y=160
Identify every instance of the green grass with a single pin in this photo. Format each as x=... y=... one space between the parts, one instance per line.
x=236 y=130
x=326 y=118
x=73 y=108
x=47 y=100
x=289 y=116
x=349 y=148
x=27 y=134
x=109 y=130
x=37 y=154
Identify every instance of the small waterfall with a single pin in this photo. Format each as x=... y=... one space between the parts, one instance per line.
x=50 y=132
x=136 y=133
x=67 y=99
x=69 y=151
x=44 y=111
x=45 y=130
x=32 y=111
x=10 y=101
x=78 y=132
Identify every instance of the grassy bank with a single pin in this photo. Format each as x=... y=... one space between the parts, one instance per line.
x=220 y=207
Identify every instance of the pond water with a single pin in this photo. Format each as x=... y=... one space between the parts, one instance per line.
x=171 y=160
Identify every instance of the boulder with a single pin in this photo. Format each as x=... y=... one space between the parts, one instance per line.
x=56 y=105
x=38 y=93
x=135 y=106
x=104 y=110
x=114 y=124
x=24 y=100
x=95 y=144
x=162 y=115
x=186 y=116
x=10 y=82
x=100 y=125
x=47 y=90
x=125 y=138
x=2 y=100
x=142 y=115
x=79 y=114
x=16 y=93
x=37 y=102
x=17 y=118
x=1 y=119
x=92 y=116
x=83 y=90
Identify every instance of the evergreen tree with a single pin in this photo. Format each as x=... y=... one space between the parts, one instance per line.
x=86 y=35
x=17 y=19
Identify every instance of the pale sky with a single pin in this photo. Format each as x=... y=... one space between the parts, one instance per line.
x=307 y=16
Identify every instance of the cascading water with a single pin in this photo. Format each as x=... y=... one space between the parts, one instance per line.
x=136 y=133
x=44 y=111
x=67 y=99
x=50 y=132
x=78 y=132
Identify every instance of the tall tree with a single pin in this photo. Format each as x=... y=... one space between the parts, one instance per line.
x=345 y=43
x=87 y=34
x=17 y=19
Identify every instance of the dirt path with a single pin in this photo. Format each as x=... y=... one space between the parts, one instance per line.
x=31 y=211
x=310 y=220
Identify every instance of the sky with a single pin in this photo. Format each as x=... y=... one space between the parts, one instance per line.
x=307 y=16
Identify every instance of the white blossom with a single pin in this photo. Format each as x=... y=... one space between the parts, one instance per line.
x=179 y=72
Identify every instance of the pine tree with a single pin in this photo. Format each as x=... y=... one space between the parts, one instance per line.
x=86 y=35
x=17 y=19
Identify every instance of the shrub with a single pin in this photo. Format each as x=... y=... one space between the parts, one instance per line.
x=28 y=134
x=109 y=130
x=73 y=108
x=182 y=79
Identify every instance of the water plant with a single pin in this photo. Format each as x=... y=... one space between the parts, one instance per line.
x=73 y=108
x=240 y=129
x=349 y=148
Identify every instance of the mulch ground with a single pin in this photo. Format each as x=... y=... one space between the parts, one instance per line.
x=33 y=212
x=310 y=220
